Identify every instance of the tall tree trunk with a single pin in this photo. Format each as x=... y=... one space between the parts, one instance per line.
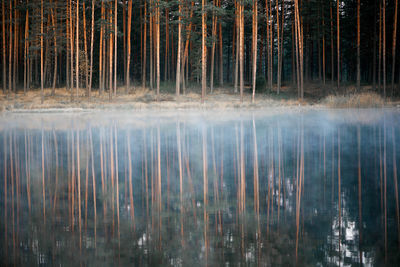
x=158 y=48
x=10 y=49
x=221 y=52
x=41 y=53
x=4 y=47
x=85 y=48
x=71 y=34
x=144 y=46
x=380 y=47
x=255 y=36
x=237 y=46
x=374 y=52
x=110 y=55
x=101 y=72
x=213 y=34
x=332 y=47
x=279 y=52
x=115 y=45
x=151 y=29
x=128 y=60
x=394 y=44
x=384 y=47
x=358 y=46
x=166 y=59
x=15 y=65
x=77 y=50
x=26 y=47
x=323 y=47
x=91 y=51
x=178 y=61
x=241 y=50
x=54 y=22
x=203 y=51
x=338 y=42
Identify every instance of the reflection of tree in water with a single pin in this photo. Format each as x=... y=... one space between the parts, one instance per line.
x=174 y=193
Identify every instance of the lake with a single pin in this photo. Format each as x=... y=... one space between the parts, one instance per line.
x=265 y=188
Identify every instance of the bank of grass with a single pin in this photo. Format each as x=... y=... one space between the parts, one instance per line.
x=354 y=100
x=138 y=98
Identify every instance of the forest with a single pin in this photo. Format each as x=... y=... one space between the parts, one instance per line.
x=113 y=47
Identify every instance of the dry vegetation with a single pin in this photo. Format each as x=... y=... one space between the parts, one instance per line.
x=222 y=98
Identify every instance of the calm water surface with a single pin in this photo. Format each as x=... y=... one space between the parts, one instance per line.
x=315 y=188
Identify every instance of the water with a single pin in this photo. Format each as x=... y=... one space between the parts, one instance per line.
x=263 y=188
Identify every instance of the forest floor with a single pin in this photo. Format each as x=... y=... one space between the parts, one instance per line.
x=221 y=99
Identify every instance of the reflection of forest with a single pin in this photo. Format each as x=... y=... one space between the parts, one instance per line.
x=280 y=190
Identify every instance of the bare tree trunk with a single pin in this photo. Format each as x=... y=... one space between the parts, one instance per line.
x=101 y=76
x=15 y=65
x=380 y=47
x=394 y=45
x=213 y=34
x=158 y=48
x=4 y=47
x=166 y=59
x=178 y=61
x=332 y=48
x=110 y=56
x=41 y=53
x=384 y=47
x=54 y=22
x=71 y=38
x=221 y=58
x=77 y=49
x=85 y=48
x=91 y=51
x=151 y=43
x=237 y=46
x=358 y=46
x=255 y=30
x=115 y=45
x=26 y=47
x=10 y=50
x=203 y=51
x=128 y=61
x=279 y=52
x=241 y=50
x=338 y=42
x=144 y=46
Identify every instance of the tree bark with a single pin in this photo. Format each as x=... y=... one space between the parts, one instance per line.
x=144 y=46
x=128 y=61
x=338 y=42
x=41 y=53
x=115 y=45
x=54 y=22
x=4 y=47
x=203 y=51
x=178 y=61
x=394 y=45
x=279 y=52
x=255 y=36
x=77 y=50
x=91 y=51
x=358 y=46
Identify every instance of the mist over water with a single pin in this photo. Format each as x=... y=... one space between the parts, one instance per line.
x=250 y=188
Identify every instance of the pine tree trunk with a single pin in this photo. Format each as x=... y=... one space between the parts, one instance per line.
x=26 y=47
x=221 y=58
x=384 y=48
x=71 y=34
x=10 y=50
x=144 y=46
x=91 y=51
x=77 y=50
x=213 y=33
x=166 y=59
x=241 y=50
x=394 y=45
x=41 y=53
x=151 y=43
x=128 y=61
x=4 y=47
x=101 y=71
x=158 y=48
x=116 y=46
x=380 y=47
x=358 y=46
x=237 y=47
x=332 y=48
x=279 y=52
x=85 y=48
x=338 y=43
x=203 y=51
x=178 y=61
x=54 y=22
x=255 y=36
